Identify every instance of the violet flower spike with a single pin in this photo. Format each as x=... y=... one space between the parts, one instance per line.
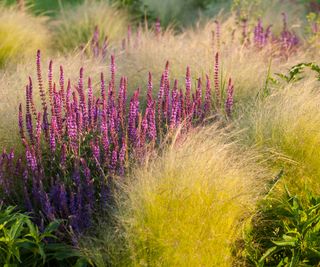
x=216 y=81
x=229 y=101
x=40 y=82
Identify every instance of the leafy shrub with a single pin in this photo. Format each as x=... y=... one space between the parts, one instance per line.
x=77 y=142
x=174 y=12
x=286 y=232
x=18 y=29
x=296 y=71
x=74 y=27
x=21 y=242
x=185 y=208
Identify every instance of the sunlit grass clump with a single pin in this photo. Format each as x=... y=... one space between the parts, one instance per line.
x=286 y=127
x=21 y=34
x=75 y=25
x=187 y=207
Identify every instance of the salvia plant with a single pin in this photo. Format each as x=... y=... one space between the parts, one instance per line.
x=287 y=42
x=77 y=141
x=100 y=49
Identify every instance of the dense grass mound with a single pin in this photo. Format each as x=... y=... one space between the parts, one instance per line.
x=75 y=26
x=21 y=35
x=186 y=208
x=286 y=126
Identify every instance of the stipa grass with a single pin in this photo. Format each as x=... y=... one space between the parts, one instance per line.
x=20 y=34
x=75 y=26
x=185 y=208
x=286 y=127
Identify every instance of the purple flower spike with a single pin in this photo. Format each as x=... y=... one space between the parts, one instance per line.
x=95 y=150
x=63 y=157
x=31 y=158
x=38 y=130
x=208 y=97
x=174 y=105
x=53 y=131
x=218 y=34
x=20 y=119
x=50 y=86
x=103 y=87
x=152 y=129
x=113 y=71
x=158 y=27
x=122 y=156
x=61 y=83
x=40 y=82
x=216 y=81
x=188 y=92
x=229 y=101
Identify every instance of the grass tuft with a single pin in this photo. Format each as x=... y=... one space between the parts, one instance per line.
x=75 y=26
x=286 y=127
x=21 y=34
x=187 y=207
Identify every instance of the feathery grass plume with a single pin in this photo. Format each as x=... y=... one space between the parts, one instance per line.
x=185 y=208
x=286 y=127
x=75 y=26
x=21 y=34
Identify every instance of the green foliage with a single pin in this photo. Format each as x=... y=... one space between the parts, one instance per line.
x=21 y=242
x=245 y=9
x=286 y=232
x=296 y=71
x=176 y=12
x=49 y=7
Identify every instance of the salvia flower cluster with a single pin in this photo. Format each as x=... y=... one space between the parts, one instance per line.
x=288 y=41
x=77 y=141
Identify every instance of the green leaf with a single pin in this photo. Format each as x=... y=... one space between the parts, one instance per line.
x=53 y=226
x=268 y=253
x=285 y=243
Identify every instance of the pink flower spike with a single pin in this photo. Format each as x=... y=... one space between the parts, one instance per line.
x=229 y=101
x=216 y=81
